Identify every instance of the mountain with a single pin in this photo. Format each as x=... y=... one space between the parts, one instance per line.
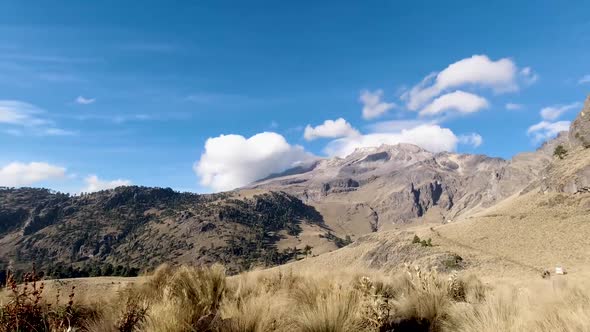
x=141 y=228
x=313 y=209
x=377 y=188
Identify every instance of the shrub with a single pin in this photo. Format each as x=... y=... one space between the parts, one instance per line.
x=26 y=309
x=560 y=152
x=426 y=243
x=416 y=239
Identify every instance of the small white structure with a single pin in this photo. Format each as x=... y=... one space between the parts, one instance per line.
x=559 y=270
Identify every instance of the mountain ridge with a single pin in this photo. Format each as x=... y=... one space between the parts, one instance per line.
x=320 y=207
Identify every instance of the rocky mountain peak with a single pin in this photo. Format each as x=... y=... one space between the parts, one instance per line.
x=579 y=134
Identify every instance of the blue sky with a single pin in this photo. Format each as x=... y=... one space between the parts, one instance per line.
x=131 y=92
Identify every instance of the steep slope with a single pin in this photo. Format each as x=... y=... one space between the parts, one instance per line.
x=144 y=227
x=572 y=173
x=377 y=188
x=523 y=232
x=579 y=134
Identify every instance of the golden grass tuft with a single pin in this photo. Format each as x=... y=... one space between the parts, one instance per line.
x=205 y=299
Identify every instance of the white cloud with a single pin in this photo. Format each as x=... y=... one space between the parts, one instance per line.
x=545 y=130
x=430 y=137
x=478 y=70
x=584 y=79
x=85 y=101
x=528 y=76
x=551 y=113
x=397 y=125
x=29 y=117
x=231 y=161
x=330 y=128
x=459 y=101
x=472 y=139
x=93 y=183
x=16 y=112
x=373 y=106
x=18 y=174
x=514 y=107
x=57 y=132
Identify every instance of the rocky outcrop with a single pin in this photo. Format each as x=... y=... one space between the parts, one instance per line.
x=571 y=173
x=402 y=182
x=579 y=134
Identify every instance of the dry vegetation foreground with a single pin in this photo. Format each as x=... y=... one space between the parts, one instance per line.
x=362 y=287
x=205 y=299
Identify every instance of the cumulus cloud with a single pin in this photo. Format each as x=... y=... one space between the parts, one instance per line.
x=93 y=183
x=17 y=174
x=584 y=79
x=458 y=101
x=514 y=107
x=545 y=130
x=373 y=105
x=551 y=113
x=231 y=161
x=501 y=76
x=472 y=139
x=330 y=128
x=429 y=137
x=85 y=101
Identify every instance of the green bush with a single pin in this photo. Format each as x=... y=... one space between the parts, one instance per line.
x=560 y=152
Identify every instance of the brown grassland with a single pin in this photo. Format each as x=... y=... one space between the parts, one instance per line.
x=362 y=287
x=205 y=299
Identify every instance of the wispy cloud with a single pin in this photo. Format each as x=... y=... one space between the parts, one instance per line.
x=85 y=101
x=113 y=118
x=584 y=79
x=373 y=104
x=514 y=106
x=23 y=118
x=545 y=130
x=553 y=112
x=44 y=58
x=57 y=132
x=16 y=112
x=228 y=99
x=151 y=47
x=58 y=77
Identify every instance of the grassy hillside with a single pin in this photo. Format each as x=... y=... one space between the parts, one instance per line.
x=128 y=229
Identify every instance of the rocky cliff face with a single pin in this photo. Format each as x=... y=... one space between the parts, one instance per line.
x=403 y=182
x=579 y=134
x=572 y=173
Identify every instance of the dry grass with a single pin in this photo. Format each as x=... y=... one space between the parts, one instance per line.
x=204 y=299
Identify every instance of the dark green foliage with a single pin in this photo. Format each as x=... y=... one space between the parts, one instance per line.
x=94 y=269
x=340 y=242
x=416 y=239
x=426 y=243
x=560 y=152
x=453 y=262
x=111 y=232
